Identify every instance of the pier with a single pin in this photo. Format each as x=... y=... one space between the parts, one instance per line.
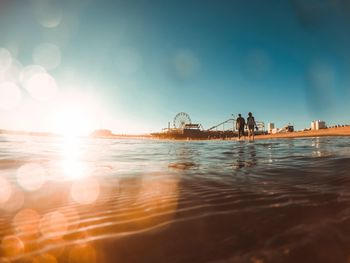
x=183 y=129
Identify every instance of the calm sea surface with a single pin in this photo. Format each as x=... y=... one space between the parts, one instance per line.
x=104 y=200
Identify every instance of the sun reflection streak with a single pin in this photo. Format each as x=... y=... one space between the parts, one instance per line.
x=72 y=166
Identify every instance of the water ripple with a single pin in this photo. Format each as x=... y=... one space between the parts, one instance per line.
x=214 y=201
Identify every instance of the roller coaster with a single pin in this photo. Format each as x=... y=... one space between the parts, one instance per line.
x=259 y=124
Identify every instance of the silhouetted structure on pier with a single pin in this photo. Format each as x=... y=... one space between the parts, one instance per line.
x=183 y=128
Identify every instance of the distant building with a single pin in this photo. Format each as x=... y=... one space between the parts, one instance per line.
x=318 y=124
x=270 y=127
x=312 y=125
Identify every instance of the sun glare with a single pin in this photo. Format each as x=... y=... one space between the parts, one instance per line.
x=73 y=116
x=73 y=167
x=72 y=122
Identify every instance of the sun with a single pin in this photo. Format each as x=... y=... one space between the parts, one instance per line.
x=72 y=121
x=74 y=114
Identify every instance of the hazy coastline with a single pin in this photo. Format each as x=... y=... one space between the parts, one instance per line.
x=339 y=131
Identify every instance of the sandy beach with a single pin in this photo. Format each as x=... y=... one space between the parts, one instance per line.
x=341 y=131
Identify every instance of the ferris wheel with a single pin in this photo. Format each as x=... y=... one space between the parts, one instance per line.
x=181 y=119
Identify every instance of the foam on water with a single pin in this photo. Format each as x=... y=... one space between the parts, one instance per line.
x=165 y=201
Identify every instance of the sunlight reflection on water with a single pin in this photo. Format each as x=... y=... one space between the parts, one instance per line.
x=139 y=194
x=72 y=165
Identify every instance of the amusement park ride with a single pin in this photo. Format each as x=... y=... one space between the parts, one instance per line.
x=183 y=128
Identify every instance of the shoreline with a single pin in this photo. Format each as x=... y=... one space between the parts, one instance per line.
x=330 y=132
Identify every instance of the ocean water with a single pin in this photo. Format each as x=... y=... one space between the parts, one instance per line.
x=106 y=200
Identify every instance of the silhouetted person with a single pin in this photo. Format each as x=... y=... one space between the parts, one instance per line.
x=240 y=123
x=251 y=124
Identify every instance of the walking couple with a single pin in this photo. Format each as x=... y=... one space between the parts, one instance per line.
x=250 y=124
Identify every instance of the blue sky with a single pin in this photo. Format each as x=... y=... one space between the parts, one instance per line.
x=145 y=61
